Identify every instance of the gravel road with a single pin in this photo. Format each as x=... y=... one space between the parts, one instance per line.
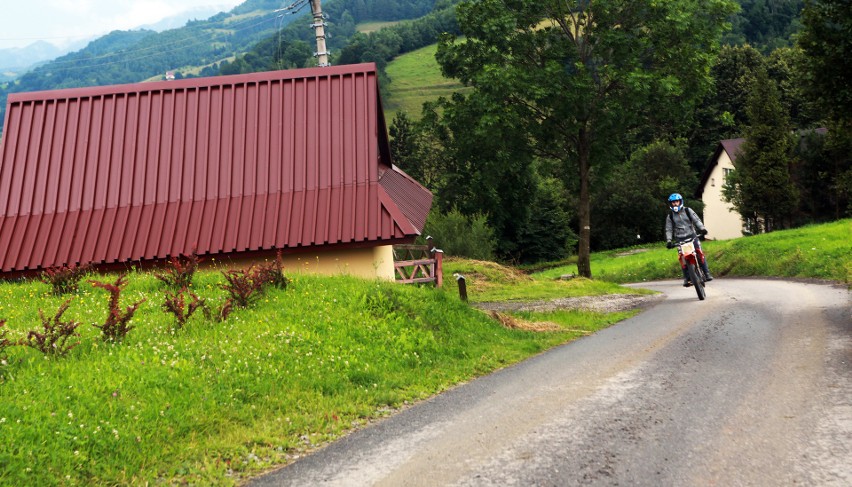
x=752 y=386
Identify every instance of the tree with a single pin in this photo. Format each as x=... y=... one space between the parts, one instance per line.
x=826 y=40
x=634 y=211
x=579 y=74
x=760 y=186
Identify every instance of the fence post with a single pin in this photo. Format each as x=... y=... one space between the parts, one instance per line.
x=438 y=255
x=462 y=286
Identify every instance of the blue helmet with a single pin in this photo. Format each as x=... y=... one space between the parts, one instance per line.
x=673 y=198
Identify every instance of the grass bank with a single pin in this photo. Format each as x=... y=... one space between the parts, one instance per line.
x=416 y=78
x=816 y=251
x=212 y=403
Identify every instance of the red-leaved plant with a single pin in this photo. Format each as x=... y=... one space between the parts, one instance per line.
x=65 y=278
x=53 y=340
x=178 y=271
x=177 y=305
x=116 y=325
x=273 y=273
x=243 y=285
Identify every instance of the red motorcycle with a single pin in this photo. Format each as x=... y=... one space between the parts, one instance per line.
x=690 y=256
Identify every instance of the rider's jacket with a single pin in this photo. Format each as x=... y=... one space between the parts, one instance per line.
x=679 y=226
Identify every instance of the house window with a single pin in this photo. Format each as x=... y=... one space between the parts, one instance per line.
x=726 y=171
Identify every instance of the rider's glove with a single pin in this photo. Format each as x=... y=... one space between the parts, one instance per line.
x=669 y=244
x=702 y=232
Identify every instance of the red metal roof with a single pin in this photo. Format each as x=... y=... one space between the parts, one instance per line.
x=274 y=160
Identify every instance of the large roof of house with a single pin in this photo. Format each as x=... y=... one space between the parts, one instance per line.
x=223 y=165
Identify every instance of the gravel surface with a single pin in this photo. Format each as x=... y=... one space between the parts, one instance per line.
x=607 y=303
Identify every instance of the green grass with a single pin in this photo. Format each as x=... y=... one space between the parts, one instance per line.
x=367 y=27
x=214 y=403
x=416 y=78
x=815 y=251
x=489 y=281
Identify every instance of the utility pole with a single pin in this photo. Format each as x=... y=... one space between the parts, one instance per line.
x=319 y=30
x=318 y=25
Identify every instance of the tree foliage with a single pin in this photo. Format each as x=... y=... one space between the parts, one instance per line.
x=827 y=42
x=572 y=77
x=760 y=187
x=633 y=202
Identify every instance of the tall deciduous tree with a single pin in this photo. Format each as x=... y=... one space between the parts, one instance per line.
x=760 y=187
x=581 y=73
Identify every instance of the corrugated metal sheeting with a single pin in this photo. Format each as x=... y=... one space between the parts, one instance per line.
x=282 y=159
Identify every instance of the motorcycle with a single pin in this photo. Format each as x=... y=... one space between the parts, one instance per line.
x=689 y=255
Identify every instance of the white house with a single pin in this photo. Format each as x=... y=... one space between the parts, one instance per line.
x=720 y=218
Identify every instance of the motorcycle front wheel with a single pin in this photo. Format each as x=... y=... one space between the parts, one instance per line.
x=697 y=282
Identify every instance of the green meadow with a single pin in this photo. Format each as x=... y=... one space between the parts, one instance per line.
x=215 y=402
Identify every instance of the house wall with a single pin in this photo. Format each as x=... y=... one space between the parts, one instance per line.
x=721 y=219
x=369 y=263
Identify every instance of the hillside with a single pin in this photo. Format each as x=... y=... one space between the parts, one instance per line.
x=416 y=78
x=133 y=56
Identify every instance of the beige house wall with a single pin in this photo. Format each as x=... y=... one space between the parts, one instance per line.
x=369 y=263
x=720 y=218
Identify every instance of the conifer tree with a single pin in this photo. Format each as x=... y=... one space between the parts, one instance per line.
x=760 y=186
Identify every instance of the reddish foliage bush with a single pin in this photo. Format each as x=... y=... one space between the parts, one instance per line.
x=116 y=325
x=243 y=285
x=65 y=278
x=273 y=273
x=56 y=333
x=176 y=304
x=178 y=271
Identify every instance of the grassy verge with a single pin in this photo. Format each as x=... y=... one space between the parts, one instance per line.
x=816 y=251
x=211 y=403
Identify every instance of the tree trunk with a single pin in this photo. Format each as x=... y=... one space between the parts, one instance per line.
x=584 y=268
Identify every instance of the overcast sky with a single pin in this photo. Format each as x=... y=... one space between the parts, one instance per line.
x=62 y=22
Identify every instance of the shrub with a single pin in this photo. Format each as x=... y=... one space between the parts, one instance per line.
x=176 y=304
x=116 y=325
x=460 y=235
x=243 y=286
x=65 y=278
x=273 y=273
x=178 y=271
x=54 y=340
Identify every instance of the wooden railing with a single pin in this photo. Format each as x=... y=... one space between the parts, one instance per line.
x=418 y=264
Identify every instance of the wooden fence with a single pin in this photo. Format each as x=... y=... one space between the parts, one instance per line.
x=418 y=264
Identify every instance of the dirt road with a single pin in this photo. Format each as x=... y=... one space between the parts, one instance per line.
x=752 y=386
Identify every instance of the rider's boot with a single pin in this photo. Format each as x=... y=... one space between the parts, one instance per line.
x=707 y=276
x=686 y=282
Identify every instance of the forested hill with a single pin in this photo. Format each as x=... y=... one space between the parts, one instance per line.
x=254 y=37
x=201 y=46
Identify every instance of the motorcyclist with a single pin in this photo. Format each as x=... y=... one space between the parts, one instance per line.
x=682 y=224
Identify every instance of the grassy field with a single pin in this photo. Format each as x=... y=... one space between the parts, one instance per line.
x=367 y=27
x=212 y=403
x=415 y=79
x=817 y=251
